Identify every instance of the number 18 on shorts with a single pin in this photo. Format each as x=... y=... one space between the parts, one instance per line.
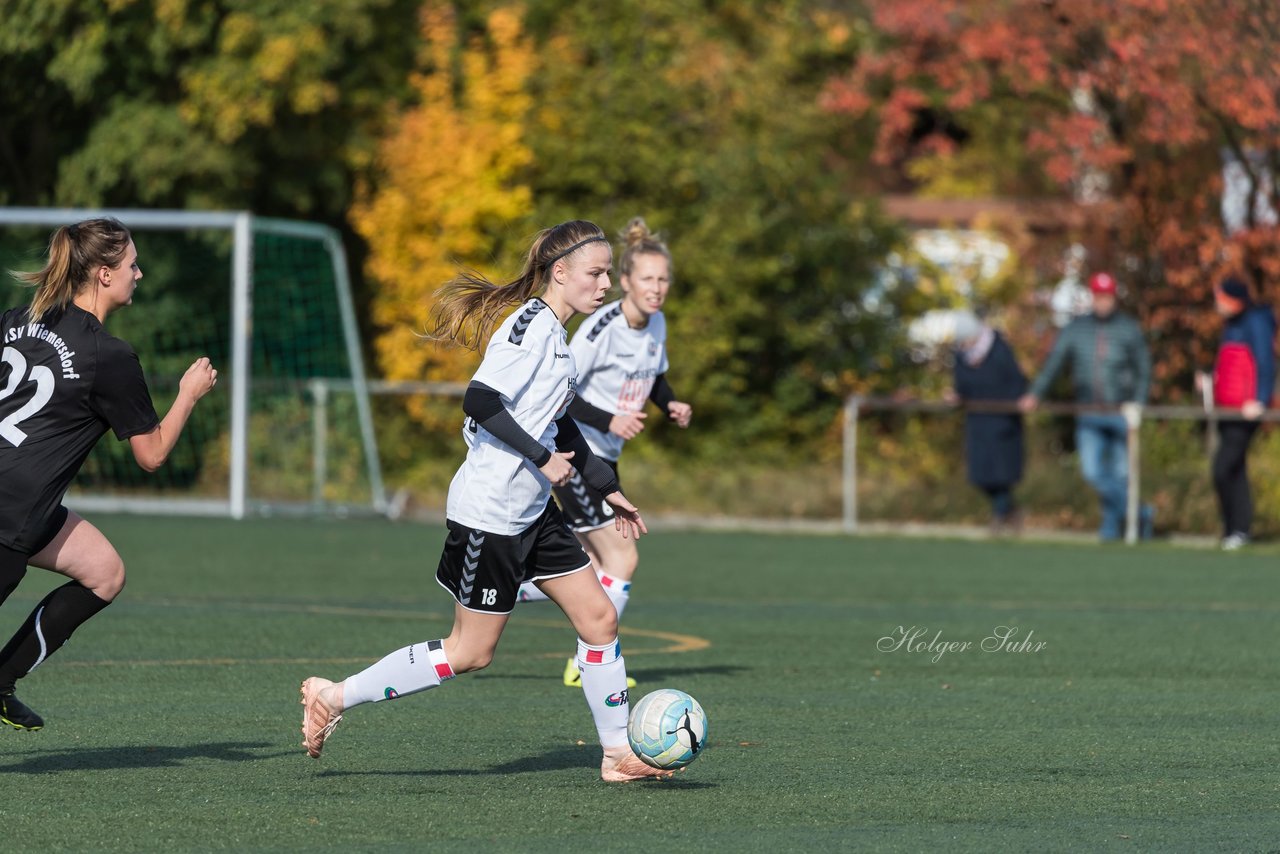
x=483 y=571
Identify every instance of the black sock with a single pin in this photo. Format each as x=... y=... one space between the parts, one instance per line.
x=46 y=630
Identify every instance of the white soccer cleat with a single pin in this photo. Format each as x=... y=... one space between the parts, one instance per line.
x=318 y=720
x=620 y=765
x=1234 y=542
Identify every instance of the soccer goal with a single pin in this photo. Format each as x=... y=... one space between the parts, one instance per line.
x=289 y=428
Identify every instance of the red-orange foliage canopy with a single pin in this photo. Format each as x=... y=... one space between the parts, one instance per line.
x=1129 y=107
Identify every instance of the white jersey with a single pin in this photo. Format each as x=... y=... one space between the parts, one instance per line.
x=528 y=362
x=616 y=368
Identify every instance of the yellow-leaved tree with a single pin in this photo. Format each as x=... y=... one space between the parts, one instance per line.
x=448 y=188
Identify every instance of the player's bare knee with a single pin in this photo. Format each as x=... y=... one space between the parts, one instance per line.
x=626 y=564
x=619 y=562
x=601 y=627
x=109 y=580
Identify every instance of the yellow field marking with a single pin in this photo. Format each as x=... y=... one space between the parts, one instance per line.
x=676 y=643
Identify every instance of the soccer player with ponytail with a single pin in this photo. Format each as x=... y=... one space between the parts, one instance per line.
x=621 y=354
x=63 y=383
x=503 y=528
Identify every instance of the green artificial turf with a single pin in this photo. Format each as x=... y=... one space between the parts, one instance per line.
x=1145 y=721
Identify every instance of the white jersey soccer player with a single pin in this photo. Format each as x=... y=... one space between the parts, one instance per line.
x=618 y=365
x=621 y=354
x=529 y=363
x=503 y=527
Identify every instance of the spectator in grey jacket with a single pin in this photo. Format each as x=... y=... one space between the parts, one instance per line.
x=1110 y=365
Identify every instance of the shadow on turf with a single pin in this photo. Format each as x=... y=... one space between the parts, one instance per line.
x=563 y=759
x=656 y=675
x=115 y=758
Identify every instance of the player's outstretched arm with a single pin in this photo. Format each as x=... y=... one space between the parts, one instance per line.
x=626 y=518
x=152 y=449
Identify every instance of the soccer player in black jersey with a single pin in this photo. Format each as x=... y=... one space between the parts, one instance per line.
x=503 y=527
x=63 y=383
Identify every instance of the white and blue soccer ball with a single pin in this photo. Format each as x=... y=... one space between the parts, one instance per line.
x=667 y=729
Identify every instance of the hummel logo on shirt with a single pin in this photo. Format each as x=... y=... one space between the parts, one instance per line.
x=522 y=322
x=604 y=321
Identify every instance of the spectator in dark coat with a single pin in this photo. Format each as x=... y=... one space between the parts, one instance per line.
x=1244 y=376
x=986 y=370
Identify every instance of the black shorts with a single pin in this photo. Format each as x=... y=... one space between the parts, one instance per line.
x=583 y=506
x=483 y=571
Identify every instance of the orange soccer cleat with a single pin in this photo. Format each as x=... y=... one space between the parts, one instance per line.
x=318 y=720
x=620 y=765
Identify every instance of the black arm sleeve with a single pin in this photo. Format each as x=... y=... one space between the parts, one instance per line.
x=484 y=406
x=598 y=475
x=661 y=393
x=592 y=416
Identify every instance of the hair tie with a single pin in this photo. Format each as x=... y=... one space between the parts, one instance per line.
x=576 y=246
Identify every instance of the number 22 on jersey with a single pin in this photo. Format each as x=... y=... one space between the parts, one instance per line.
x=44 y=380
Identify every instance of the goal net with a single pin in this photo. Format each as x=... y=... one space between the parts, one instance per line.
x=289 y=427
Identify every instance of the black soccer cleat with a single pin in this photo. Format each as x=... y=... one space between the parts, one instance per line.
x=15 y=713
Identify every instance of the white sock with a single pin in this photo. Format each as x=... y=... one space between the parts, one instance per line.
x=604 y=684
x=529 y=592
x=405 y=671
x=617 y=589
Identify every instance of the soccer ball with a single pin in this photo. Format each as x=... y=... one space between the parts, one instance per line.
x=667 y=729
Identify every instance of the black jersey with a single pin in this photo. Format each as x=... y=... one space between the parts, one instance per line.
x=62 y=385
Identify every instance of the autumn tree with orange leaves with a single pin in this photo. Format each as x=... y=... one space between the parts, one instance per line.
x=531 y=113
x=1127 y=108
x=449 y=183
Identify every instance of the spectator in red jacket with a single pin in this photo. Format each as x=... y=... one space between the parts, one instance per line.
x=1244 y=376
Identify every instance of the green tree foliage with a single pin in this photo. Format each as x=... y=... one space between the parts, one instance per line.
x=705 y=120
x=262 y=104
x=445 y=186
x=708 y=126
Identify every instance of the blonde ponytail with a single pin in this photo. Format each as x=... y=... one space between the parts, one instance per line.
x=637 y=239
x=468 y=306
x=75 y=253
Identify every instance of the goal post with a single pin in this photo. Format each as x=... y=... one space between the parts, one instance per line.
x=278 y=319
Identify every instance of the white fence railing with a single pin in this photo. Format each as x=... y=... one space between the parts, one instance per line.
x=1134 y=415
